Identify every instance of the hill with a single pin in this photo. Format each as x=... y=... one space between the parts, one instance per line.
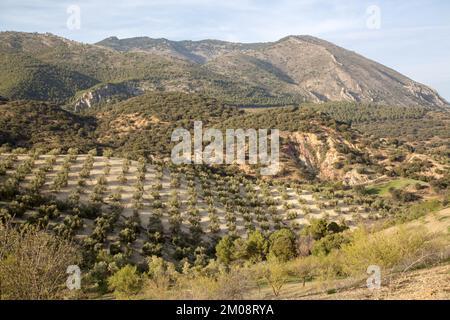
x=32 y=57
x=31 y=124
x=419 y=279
x=314 y=146
x=99 y=178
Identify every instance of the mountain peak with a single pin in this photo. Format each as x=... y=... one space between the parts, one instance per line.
x=112 y=38
x=302 y=65
x=297 y=37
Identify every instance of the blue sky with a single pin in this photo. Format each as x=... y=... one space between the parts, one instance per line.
x=413 y=36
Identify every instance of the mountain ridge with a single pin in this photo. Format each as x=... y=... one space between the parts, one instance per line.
x=292 y=70
x=210 y=55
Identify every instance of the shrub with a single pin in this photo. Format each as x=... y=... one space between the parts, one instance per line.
x=108 y=153
x=33 y=263
x=257 y=247
x=396 y=249
x=274 y=274
x=418 y=210
x=317 y=229
x=328 y=243
x=403 y=196
x=126 y=282
x=152 y=249
x=305 y=268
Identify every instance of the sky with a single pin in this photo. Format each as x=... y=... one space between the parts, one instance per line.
x=410 y=36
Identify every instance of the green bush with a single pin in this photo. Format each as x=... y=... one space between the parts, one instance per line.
x=126 y=282
x=257 y=247
x=328 y=243
x=282 y=245
x=397 y=249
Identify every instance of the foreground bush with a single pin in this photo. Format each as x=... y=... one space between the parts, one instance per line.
x=212 y=282
x=125 y=282
x=398 y=249
x=33 y=263
x=282 y=245
x=392 y=249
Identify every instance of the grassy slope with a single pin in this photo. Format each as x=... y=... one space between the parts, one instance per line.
x=382 y=189
x=426 y=282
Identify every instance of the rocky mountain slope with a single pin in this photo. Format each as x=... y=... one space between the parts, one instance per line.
x=292 y=70
x=315 y=69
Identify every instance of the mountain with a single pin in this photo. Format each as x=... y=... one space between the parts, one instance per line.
x=194 y=51
x=293 y=70
x=303 y=65
x=26 y=54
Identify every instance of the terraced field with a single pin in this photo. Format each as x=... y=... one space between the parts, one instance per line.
x=134 y=196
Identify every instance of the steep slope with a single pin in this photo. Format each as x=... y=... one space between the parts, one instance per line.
x=360 y=79
x=313 y=145
x=96 y=62
x=60 y=67
x=298 y=65
x=23 y=77
x=322 y=71
x=292 y=70
x=194 y=51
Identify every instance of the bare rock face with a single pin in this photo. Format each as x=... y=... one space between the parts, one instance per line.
x=305 y=66
x=345 y=75
x=106 y=93
x=317 y=155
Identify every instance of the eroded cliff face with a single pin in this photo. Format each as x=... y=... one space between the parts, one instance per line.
x=426 y=95
x=107 y=93
x=318 y=155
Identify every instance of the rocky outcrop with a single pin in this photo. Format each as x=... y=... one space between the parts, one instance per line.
x=106 y=93
x=319 y=155
x=315 y=154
